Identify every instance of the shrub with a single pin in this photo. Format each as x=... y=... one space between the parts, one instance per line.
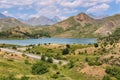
x=96 y=45
x=40 y=68
x=43 y=58
x=71 y=64
x=68 y=46
x=50 y=60
x=113 y=71
x=92 y=63
x=24 y=78
x=14 y=47
x=55 y=66
x=23 y=55
x=86 y=59
x=65 y=51
x=106 y=78
x=10 y=59
x=55 y=76
x=27 y=62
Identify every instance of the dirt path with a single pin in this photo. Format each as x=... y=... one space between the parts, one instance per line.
x=55 y=61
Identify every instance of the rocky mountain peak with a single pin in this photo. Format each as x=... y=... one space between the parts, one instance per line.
x=82 y=17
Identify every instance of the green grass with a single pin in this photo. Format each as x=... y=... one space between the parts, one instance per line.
x=19 y=68
x=15 y=67
x=46 y=51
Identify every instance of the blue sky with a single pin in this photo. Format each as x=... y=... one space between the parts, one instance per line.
x=62 y=8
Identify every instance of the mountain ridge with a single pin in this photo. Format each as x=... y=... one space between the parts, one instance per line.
x=79 y=26
x=83 y=25
x=41 y=20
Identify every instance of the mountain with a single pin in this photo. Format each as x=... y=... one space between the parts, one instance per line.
x=79 y=26
x=2 y=16
x=98 y=16
x=56 y=19
x=11 y=28
x=83 y=25
x=109 y=25
x=8 y=23
x=42 y=20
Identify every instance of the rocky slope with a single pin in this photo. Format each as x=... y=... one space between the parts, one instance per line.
x=79 y=26
x=83 y=25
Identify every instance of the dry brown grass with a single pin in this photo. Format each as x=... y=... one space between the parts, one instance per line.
x=93 y=71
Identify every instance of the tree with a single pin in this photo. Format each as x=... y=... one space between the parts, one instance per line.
x=65 y=51
x=40 y=68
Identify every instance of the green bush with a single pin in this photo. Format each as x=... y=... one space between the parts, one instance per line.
x=40 y=68
x=55 y=76
x=96 y=45
x=50 y=60
x=106 y=78
x=27 y=62
x=24 y=78
x=113 y=71
x=68 y=46
x=43 y=58
x=71 y=64
x=92 y=63
x=65 y=51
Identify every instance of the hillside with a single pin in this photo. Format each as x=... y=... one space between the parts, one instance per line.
x=109 y=25
x=79 y=26
x=113 y=38
x=83 y=25
x=11 y=28
x=7 y=23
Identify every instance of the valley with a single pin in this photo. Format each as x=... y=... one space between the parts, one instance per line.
x=77 y=48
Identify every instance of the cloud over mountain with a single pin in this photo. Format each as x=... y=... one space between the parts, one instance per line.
x=50 y=8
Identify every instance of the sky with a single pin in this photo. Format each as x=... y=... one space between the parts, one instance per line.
x=25 y=9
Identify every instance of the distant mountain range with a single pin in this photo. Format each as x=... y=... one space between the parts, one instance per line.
x=98 y=16
x=42 y=20
x=3 y=16
x=34 y=21
x=78 y=26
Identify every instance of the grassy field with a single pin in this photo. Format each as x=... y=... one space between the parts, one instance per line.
x=83 y=66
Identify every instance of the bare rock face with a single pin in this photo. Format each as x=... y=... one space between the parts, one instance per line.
x=83 y=19
x=106 y=29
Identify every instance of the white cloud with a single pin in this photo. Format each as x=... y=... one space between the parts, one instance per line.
x=7 y=13
x=74 y=3
x=82 y=3
x=22 y=16
x=5 y=6
x=56 y=7
x=98 y=8
x=117 y=1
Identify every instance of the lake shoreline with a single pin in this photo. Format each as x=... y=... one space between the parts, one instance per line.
x=26 y=42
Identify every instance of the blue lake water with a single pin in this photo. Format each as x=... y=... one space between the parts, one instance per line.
x=51 y=40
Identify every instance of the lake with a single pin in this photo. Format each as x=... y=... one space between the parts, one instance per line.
x=51 y=40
